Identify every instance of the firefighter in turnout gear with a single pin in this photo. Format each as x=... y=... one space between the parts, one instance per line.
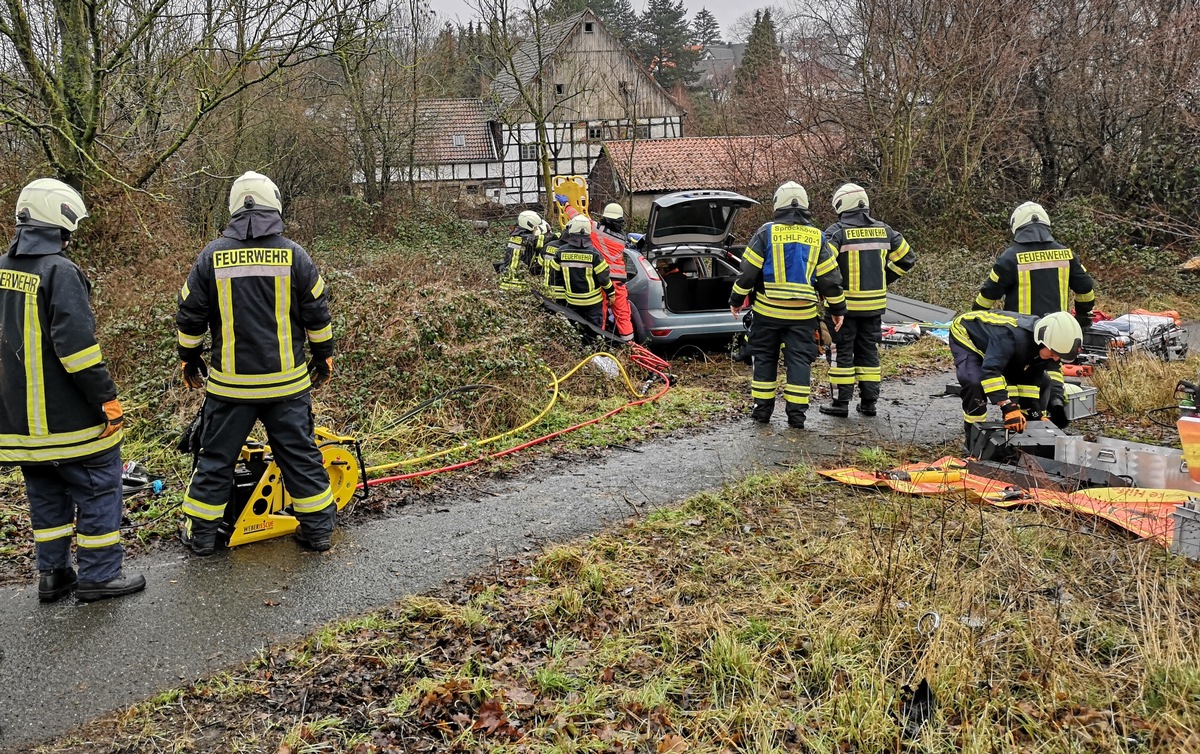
x=787 y=264
x=871 y=256
x=997 y=354
x=552 y=279
x=586 y=283
x=524 y=249
x=261 y=296
x=1036 y=275
x=608 y=238
x=59 y=416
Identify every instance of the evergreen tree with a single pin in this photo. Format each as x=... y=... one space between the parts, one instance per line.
x=706 y=29
x=761 y=69
x=666 y=45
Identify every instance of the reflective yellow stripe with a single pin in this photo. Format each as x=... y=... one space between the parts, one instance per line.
x=740 y=290
x=1054 y=375
x=900 y=272
x=53 y=447
x=838 y=299
x=258 y=379
x=35 y=399
x=203 y=511
x=993 y=276
x=974 y=418
x=993 y=384
x=225 y=306
x=80 y=360
x=1084 y=298
x=49 y=535
x=753 y=257
x=1063 y=289
x=1023 y=290
x=900 y=252
x=1024 y=391
x=185 y=291
x=794 y=309
x=796 y=394
x=322 y=335
x=868 y=374
x=98 y=540
x=841 y=375
x=190 y=341
x=260 y=393
x=319 y=288
x=986 y=303
x=826 y=267
x=762 y=389
x=313 y=504
x=283 y=322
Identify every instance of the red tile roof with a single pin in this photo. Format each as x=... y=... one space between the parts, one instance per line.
x=439 y=121
x=715 y=162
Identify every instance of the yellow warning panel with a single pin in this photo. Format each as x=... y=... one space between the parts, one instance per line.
x=575 y=188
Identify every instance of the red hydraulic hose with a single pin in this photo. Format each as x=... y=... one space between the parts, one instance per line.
x=641 y=356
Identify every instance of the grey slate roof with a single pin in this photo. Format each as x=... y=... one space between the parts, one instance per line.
x=503 y=90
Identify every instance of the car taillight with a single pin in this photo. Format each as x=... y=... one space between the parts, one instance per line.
x=649 y=268
x=660 y=333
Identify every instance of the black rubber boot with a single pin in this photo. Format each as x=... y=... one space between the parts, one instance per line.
x=56 y=584
x=90 y=591
x=762 y=411
x=316 y=542
x=867 y=409
x=837 y=408
x=199 y=543
x=796 y=420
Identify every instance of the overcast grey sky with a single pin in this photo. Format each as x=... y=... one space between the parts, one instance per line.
x=726 y=11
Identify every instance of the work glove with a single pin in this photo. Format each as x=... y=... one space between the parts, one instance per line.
x=561 y=199
x=1058 y=414
x=320 y=371
x=194 y=373
x=114 y=416
x=1014 y=418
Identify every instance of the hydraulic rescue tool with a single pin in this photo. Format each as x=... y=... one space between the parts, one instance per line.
x=260 y=506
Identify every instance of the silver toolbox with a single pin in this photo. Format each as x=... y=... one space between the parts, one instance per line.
x=1148 y=466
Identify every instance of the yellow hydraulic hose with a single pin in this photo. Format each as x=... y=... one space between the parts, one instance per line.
x=554 y=384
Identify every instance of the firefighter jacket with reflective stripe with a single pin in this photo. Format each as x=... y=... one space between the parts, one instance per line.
x=610 y=242
x=524 y=246
x=787 y=264
x=871 y=256
x=552 y=277
x=53 y=379
x=584 y=272
x=1011 y=360
x=261 y=297
x=1036 y=275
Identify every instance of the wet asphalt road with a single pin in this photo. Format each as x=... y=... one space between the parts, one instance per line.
x=64 y=663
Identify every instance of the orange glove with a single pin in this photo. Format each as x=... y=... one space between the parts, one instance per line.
x=320 y=371
x=194 y=373
x=115 y=417
x=1014 y=418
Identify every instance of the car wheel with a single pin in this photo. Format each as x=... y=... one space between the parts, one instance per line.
x=640 y=336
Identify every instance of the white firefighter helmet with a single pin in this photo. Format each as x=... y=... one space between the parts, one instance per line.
x=791 y=194
x=1029 y=212
x=544 y=228
x=579 y=224
x=528 y=220
x=254 y=190
x=1060 y=333
x=850 y=196
x=51 y=202
x=613 y=211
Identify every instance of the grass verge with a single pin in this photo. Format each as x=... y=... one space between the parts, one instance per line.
x=779 y=614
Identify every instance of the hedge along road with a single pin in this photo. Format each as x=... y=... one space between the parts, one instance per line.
x=64 y=663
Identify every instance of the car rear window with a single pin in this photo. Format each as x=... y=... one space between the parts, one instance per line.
x=692 y=217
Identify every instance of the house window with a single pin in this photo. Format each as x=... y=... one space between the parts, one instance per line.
x=472 y=188
x=642 y=132
x=595 y=133
x=558 y=89
x=588 y=27
x=460 y=140
x=530 y=152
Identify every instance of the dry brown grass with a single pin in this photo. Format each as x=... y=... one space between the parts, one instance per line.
x=777 y=615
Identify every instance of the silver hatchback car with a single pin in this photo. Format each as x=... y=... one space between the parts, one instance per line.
x=681 y=272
